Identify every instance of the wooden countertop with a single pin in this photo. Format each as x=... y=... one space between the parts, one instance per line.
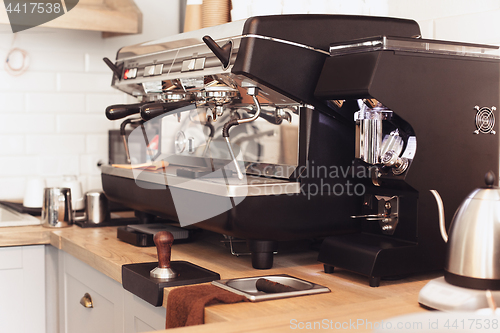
x=350 y=298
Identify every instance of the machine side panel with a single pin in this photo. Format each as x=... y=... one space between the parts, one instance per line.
x=437 y=96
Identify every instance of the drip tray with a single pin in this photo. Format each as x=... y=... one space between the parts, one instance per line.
x=247 y=287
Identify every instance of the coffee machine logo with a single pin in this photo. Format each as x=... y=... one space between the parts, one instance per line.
x=485 y=120
x=26 y=14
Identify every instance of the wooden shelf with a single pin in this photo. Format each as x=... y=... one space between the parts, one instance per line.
x=112 y=17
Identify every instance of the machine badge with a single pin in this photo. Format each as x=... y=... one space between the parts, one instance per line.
x=485 y=120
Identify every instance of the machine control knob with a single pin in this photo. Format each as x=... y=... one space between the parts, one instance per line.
x=392 y=160
x=163 y=241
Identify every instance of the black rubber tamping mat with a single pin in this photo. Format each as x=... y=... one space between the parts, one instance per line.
x=136 y=279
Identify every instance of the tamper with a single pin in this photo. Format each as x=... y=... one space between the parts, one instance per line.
x=163 y=241
x=148 y=279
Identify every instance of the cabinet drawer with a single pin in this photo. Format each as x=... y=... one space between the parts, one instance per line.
x=11 y=257
x=106 y=315
x=140 y=316
x=81 y=319
x=22 y=288
x=114 y=308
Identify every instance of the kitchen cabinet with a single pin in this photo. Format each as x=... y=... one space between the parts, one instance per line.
x=22 y=287
x=109 y=16
x=113 y=308
x=140 y=316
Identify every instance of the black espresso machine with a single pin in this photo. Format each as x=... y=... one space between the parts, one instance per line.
x=290 y=127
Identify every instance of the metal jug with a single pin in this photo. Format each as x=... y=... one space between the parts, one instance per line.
x=473 y=251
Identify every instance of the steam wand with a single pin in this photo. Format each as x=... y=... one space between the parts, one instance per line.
x=252 y=91
x=123 y=133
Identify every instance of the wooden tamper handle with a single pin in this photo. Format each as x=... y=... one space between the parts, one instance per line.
x=163 y=241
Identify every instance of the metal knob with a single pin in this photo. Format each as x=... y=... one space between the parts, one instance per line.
x=399 y=164
x=86 y=301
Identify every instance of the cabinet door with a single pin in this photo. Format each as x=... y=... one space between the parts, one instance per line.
x=22 y=288
x=79 y=279
x=140 y=316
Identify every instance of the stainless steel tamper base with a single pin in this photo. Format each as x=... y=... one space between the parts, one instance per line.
x=162 y=273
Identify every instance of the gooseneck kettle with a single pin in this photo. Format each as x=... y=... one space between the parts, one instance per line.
x=473 y=249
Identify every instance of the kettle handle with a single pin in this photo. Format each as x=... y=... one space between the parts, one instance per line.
x=442 y=227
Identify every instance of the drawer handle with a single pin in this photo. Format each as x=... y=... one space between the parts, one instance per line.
x=86 y=301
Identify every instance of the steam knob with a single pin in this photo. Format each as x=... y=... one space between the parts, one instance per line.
x=163 y=241
x=390 y=158
x=489 y=178
x=399 y=164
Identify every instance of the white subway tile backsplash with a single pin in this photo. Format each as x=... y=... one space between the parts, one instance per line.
x=28 y=81
x=83 y=181
x=88 y=123
x=12 y=188
x=50 y=61
x=84 y=82
x=95 y=64
x=55 y=144
x=97 y=144
x=89 y=163
x=427 y=29
x=57 y=165
x=27 y=123
x=318 y=7
x=295 y=7
x=98 y=102
x=266 y=7
x=11 y=102
x=12 y=144
x=55 y=102
x=94 y=183
x=353 y=7
x=41 y=39
x=377 y=7
x=241 y=9
x=476 y=27
x=432 y=9
x=20 y=165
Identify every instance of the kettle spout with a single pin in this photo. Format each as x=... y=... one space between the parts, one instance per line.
x=442 y=226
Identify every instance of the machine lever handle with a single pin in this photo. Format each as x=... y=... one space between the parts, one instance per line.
x=119 y=111
x=223 y=53
x=150 y=111
x=116 y=69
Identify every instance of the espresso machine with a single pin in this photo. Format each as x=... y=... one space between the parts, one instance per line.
x=256 y=129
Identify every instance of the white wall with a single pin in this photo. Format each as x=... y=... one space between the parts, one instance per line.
x=458 y=20
x=247 y=8
x=52 y=118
